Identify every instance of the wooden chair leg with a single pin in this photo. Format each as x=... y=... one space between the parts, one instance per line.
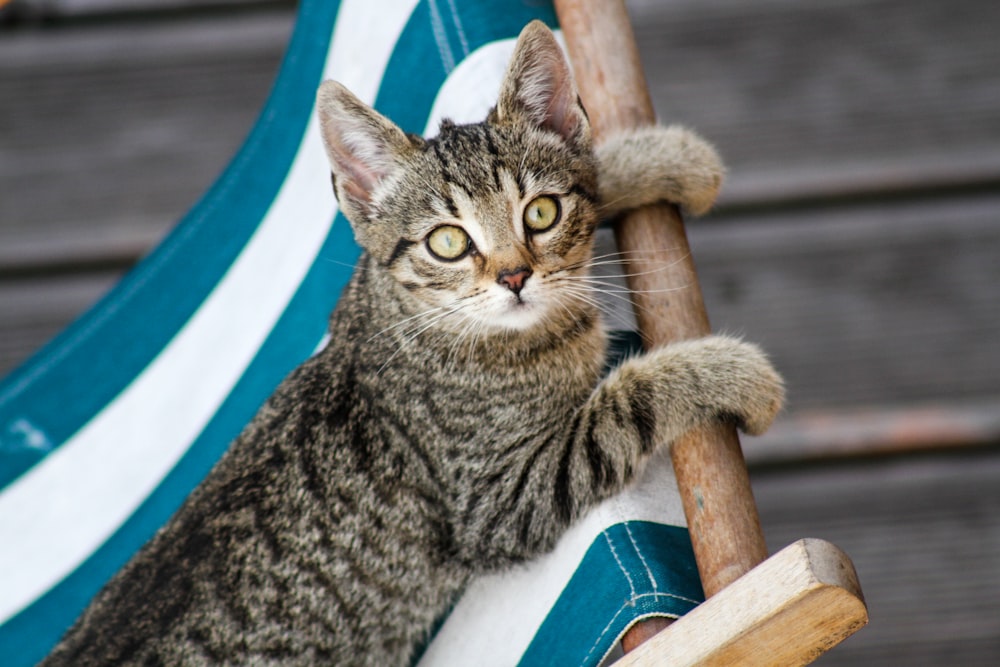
x=711 y=473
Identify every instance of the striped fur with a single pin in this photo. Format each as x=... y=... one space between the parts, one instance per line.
x=456 y=423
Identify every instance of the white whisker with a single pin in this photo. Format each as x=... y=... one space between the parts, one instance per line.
x=404 y=322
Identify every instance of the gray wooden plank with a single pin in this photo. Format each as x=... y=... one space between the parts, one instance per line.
x=61 y=10
x=924 y=535
x=125 y=127
x=829 y=96
x=827 y=434
x=869 y=304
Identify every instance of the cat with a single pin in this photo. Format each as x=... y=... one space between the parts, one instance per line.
x=458 y=420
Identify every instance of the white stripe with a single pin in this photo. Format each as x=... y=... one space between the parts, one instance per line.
x=457 y=20
x=441 y=38
x=59 y=512
x=472 y=88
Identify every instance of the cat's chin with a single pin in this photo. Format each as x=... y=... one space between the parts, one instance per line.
x=518 y=317
x=520 y=320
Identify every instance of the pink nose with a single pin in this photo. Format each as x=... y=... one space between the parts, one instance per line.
x=513 y=279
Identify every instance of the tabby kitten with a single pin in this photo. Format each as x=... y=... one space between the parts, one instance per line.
x=457 y=421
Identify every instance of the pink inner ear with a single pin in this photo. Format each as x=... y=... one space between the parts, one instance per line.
x=561 y=115
x=358 y=192
x=360 y=178
x=548 y=94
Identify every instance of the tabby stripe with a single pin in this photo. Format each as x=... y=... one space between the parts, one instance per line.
x=521 y=187
x=361 y=270
x=445 y=172
x=522 y=481
x=314 y=480
x=600 y=464
x=584 y=193
x=491 y=482
x=485 y=486
x=452 y=207
x=326 y=582
x=432 y=471
x=394 y=433
x=494 y=152
x=524 y=532
x=562 y=500
x=401 y=247
x=641 y=406
x=582 y=325
x=426 y=270
x=209 y=649
x=617 y=412
x=515 y=447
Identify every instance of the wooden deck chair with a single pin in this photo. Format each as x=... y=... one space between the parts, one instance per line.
x=106 y=429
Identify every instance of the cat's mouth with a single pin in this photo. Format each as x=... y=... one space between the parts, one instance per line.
x=520 y=313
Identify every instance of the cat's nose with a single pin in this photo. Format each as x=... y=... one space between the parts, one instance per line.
x=513 y=279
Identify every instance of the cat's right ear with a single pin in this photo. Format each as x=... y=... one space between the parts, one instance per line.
x=364 y=148
x=539 y=87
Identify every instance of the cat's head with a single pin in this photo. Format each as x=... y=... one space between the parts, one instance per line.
x=491 y=220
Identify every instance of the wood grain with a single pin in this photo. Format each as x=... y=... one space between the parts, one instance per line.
x=787 y=611
x=712 y=478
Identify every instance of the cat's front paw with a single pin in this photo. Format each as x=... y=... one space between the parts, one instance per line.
x=751 y=390
x=651 y=164
x=707 y=379
x=701 y=175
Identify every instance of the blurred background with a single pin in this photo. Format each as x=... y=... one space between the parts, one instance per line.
x=858 y=239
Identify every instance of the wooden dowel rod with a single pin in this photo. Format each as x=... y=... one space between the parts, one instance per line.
x=711 y=473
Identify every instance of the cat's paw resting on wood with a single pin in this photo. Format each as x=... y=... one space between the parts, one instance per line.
x=458 y=420
x=656 y=163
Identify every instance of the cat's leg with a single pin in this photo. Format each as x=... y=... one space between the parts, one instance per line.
x=651 y=400
x=645 y=403
x=656 y=163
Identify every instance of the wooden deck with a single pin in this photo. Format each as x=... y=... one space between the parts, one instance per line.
x=858 y=239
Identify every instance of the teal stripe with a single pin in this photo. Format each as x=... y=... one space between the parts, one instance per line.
x=27 y=637
x=634 y=569
x=32 y=633
x=83 y=369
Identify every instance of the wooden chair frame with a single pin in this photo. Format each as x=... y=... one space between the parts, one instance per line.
x=786 y=610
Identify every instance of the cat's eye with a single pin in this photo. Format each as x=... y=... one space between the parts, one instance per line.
x=541 y=213
x=448 y=242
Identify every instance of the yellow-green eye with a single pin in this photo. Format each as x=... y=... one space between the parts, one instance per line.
x=448 y=242
x=541 y=213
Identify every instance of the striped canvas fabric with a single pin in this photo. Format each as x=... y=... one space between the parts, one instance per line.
x=107 y=428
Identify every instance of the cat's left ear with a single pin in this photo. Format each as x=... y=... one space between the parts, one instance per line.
x=364 y=148
x=539 y=87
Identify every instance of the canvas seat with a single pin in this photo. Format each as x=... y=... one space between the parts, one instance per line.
x=109 y=427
